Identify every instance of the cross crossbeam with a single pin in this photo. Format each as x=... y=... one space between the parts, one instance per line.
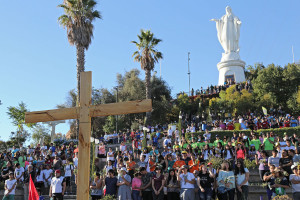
x=84 y=112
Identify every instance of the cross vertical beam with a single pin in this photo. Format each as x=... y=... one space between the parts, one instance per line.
x=83 y=176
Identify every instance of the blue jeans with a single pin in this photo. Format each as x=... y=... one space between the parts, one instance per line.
x=136 y=195
x=206 y=195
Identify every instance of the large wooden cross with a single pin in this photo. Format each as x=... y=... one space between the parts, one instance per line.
x=84 y=112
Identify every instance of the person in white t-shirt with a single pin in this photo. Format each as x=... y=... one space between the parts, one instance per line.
x=187 y=182
x=10 y=187
x=57 y=187
x=47 y=175
x=295 y=181
x=170 y=132
x=242 y=177
x=19 y=173
x=69 y=168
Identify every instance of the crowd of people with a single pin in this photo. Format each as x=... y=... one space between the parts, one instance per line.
x=176 y=168
x=51 y=168
x=172 y=166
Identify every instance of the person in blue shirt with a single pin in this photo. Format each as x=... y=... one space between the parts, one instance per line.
x=154 y=151
x=155 y=140
x=157 y=134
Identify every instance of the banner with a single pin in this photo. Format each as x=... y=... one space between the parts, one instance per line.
x=33 y=194
x=264 y=111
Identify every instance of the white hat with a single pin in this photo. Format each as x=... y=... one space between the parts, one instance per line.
x=123 y=169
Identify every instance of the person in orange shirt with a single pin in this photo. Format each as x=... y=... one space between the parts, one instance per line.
x=130 y=165
x=178 y=163
x=152 y=164
x=193 y=164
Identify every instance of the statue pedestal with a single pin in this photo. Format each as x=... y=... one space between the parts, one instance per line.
x=231 y=69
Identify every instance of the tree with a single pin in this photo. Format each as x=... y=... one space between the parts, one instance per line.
x=40 y=134
x=147 y=56
x=78 y=18
x=17 y=114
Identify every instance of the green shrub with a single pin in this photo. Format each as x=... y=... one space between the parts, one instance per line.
x=221 y=134
x=249 y=164
x=216 y=161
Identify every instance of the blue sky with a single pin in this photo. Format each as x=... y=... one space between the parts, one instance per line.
x=38 y=66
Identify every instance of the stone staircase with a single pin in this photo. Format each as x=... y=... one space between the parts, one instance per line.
x=256 y=190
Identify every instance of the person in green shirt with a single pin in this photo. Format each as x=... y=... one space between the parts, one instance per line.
x=217 y=141
x=194 y=144
x=256 y=142
x=201 y=143
x=22 y=160
x=237 y=125
x=268 y=143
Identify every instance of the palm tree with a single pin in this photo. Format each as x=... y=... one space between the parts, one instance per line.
x=78 y=18
x=147 y=56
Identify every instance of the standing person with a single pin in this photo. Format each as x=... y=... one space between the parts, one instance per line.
x=268 y=143
x=57 y=187
x=146 y=184
x=204 y=182
x=124 y=181
x=10 y=187
x=29 y=172
x=110 y=155
x=286 y=162
x=69 y=168
x=242 y=176
x=19 y=173
x=111 y=184
x=226 y=182
x=172 y=186
x=269 y=177
x=262 y=161
x=187 y=181
x=47 y=173
x=295 y=181
x=96 y=187
x=136 y=186
x=158 y=183
x=130 y=165
x=40 y=178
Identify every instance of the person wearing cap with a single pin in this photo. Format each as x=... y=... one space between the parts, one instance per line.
x=280 y=183
x=295 y=181
x=57 y=187
x=187 y=181
x=10 y=187
x=124 y=182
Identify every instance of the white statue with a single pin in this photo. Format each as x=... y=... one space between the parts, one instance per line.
x=228 y=28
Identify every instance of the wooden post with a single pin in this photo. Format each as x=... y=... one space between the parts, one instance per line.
x=84 y=137
x=84 y=112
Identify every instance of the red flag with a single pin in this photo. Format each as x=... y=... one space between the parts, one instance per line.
x=33 y=194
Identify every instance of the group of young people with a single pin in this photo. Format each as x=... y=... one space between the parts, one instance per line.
x=51 y=169
x=184 y=170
